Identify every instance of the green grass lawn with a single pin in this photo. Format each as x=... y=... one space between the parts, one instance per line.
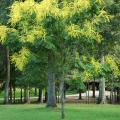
x=72 y=112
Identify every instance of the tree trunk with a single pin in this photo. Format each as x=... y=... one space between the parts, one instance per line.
x=111 y=96
x=28 y=95
x=62 y=96
x=115 y=96
x=14 y=89
x=93 y=88
x=21 y=95
x=86 y=97
x=8 y=79
x=88 y=93
x=80 y=95
x=118 y=95
x=10 y=92
x=51 y=100
x=58 y=96
x=35 y=94
x=45 y=97
x=40 y=96
x=25 y=95
x=102 y=98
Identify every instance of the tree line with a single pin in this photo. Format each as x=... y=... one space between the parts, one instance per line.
x=47 y=43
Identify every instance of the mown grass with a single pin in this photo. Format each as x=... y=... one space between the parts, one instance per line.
x=72 y=112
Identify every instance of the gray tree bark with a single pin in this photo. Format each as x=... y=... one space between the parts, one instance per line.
x=6 y=97
x=62 y=95
x=27 y=95
x=51 y=100
x=102 y=97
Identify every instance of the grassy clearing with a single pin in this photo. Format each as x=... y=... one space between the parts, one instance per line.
x=72 y=111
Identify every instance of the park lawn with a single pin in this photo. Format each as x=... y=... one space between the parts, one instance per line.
x=72 y=112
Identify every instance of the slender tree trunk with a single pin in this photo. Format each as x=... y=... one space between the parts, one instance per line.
x=8 y=78
x=118 y=96
x=58 y=96
x=115 y=96
x=86 y=97
x=102 y=98
x=28 y=94
x=40 y=96
x=21 y=95
x=10 y=92
x=80 y=95
x=88 y=93
x=110 y=97
x=35 y=94
x=62 y=95
x=14 y=89
x=111 y=92
x=51 y=100
x=24 y=95
x=45 y=97
x=93 y=87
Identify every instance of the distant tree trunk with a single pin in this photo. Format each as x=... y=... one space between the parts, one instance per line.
x=88 y=93
x=51 y=100
x=86 y=96
x=40 y=95
x=58 y=96
x=28 y=94
x=62 y=95
x=14 y=89
x=93 y=88
x=111 y=96
x=45 y=97
x=6 y=100
x=102 y=98
x=24 y=95
x=35 y=94
x=10 y=92
x=21 y=95
x=118 y=95
x=80 y=95
x=115 y=92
